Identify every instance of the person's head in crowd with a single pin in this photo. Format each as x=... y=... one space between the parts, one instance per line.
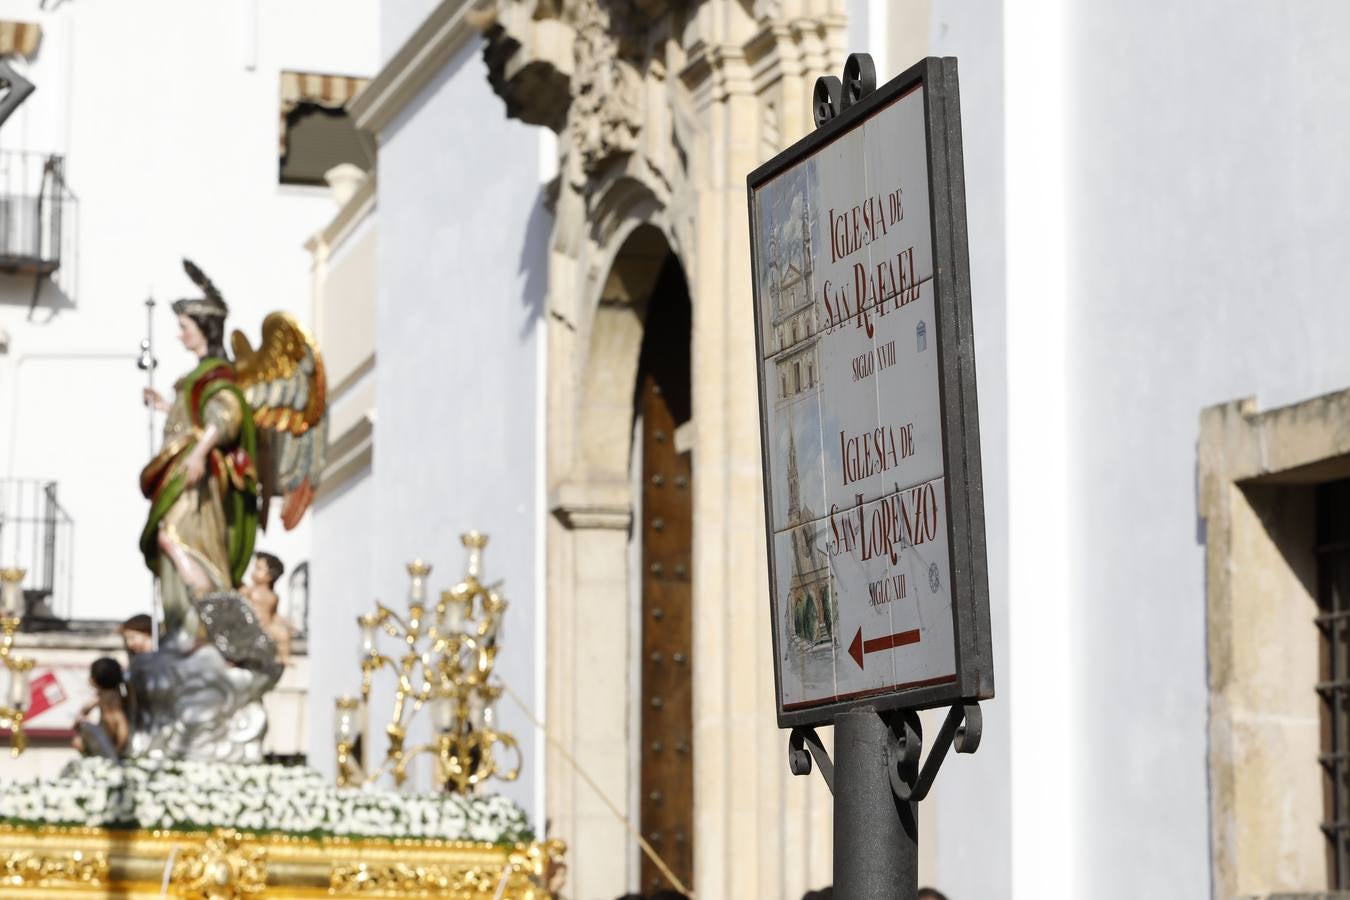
x=105 y=673
x=136 y=637
x=927 y=893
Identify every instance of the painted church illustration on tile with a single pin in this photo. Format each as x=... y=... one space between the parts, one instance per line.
x=794 y=318
x=811 y=606
x=795 y=325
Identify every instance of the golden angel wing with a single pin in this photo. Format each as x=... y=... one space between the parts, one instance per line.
x=284 y=382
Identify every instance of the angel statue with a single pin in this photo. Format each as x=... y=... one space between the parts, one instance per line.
x=237 y=432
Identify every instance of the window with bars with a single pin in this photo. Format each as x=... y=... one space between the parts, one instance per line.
x=1333 y=623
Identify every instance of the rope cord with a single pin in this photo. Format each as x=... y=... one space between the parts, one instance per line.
x=618 y=814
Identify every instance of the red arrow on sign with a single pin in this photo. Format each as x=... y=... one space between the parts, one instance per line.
x=899 y=639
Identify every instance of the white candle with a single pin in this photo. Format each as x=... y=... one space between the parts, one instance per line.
x=443 y=711
x=476 y=706
x=367 y=636
x=417 y=590
x=18 y=691
x=11 y=592
x=344 y=720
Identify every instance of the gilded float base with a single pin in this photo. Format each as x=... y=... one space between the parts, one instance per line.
x=56 y=862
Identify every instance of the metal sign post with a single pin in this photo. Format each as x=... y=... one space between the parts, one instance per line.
x=874 y=504
x=877 y=785
x=876 y=834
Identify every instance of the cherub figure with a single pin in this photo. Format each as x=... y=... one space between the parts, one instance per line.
x=262 y=597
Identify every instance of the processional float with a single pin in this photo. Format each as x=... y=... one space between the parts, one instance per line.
x=190 y=808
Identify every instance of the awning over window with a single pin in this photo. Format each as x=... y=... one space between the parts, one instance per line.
x=19 y=38
x=327 y=91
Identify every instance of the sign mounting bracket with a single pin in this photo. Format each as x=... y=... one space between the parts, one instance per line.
x=799 y=760
x=961 y=729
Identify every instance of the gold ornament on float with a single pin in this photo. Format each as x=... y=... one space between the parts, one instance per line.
x=445 y=664
x=15 y=668
x=225 y=864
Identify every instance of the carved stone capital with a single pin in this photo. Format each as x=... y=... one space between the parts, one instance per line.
x=529 y=55
x=606 y=111
x=578 y=67
x=602 y=505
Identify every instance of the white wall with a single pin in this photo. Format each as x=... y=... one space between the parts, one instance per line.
x=398 y=20
x=974 y=856
x=168 y=116
x=1209 y=206
x=462 y=253
x=343 y=585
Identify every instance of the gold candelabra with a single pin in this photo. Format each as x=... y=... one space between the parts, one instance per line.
x=445 y=663
x=14 y=699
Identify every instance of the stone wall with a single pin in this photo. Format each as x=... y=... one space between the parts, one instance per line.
x=1257 y=471
x=661 y=110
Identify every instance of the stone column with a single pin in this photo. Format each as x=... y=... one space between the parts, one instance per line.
x=588 y=684
x=699 y=94
x=761 y=832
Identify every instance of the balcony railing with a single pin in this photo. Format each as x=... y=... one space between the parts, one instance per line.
x=37 y=214
x=38 y=535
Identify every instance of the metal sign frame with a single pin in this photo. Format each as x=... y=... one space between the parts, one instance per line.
x=956 y=385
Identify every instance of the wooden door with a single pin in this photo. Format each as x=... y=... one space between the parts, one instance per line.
x=667 y=771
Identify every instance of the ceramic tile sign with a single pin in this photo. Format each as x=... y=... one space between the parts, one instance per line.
x=870 y=434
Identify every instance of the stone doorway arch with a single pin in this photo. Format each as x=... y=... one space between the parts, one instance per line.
x=595 y=557
x=660 y=108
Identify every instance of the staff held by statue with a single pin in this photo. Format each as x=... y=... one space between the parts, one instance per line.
x=147 y=363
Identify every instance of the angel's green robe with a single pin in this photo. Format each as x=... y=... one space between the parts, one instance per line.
x=214 y=521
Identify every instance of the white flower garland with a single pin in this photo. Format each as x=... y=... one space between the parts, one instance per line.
x=291 y=799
